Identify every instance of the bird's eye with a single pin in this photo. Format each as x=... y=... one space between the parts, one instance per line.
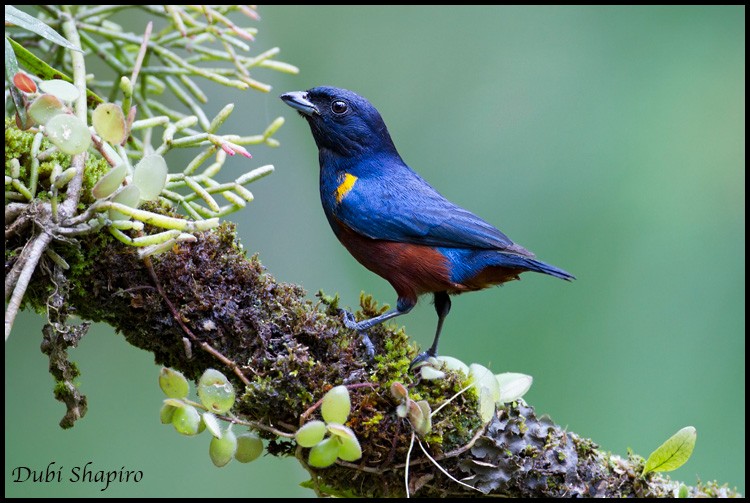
x=339 y=107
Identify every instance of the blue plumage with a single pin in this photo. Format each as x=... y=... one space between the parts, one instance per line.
x=393 y=221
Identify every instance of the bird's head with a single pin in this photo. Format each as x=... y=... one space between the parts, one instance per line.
x=342 y=122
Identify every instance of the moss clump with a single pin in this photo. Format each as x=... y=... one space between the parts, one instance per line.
x=18 y=146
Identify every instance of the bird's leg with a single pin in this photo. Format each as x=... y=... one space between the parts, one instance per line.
x=442 y=307
x=403 y=306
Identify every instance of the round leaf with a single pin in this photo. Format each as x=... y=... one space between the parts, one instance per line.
x=186 y=420
x=454 y=364
x=215 y=391
x=429 y=373
x=44 y=108
x=109 y=123
x=486 y=404
x=150 y=175
x=513 y=386
x=483 y=377
x=336 y=405
x=68 y=133
x=311 y=433
x=166 y=414
x=173 y=383
x=325 y=453
x=110 y=182
x=349 y=450
x=222 y=449
x=129 y=196
x=340 y=430
x=249 y=447
x=426 y=425
x=63 y=90
x=402 y=410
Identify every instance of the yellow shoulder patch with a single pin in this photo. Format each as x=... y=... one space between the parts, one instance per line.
x=343 y=189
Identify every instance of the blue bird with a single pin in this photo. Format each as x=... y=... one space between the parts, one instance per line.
x=394 y=222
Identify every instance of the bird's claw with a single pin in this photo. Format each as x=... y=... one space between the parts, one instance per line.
x=350 y=322
x=421 y=359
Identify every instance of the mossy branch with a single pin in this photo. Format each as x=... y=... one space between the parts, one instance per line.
x=290 y=350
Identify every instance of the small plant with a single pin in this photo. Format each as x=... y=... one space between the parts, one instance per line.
x=342 y=443
x=191 y=418
x=101 y=146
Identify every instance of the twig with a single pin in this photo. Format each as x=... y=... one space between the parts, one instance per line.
x=73 y=194
x=176 y=315
x=36 y=250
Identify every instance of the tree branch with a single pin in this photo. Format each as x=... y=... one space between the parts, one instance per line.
x=292 y=351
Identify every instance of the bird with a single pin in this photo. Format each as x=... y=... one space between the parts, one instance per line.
x=394 y=222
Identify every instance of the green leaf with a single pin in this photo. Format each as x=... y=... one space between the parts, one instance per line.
x=63 y=90
x=349 y=450
x=310 y=433
x=150 y=176
x=325 y=453
x=186 y=420
x=110 y=182
x=454 y=364
x=68 y=133
x=129 y=196
x=683 y=491
x=336 y=405
x=513 y=386
x=212 y=424
x=222 y=449
x=166 y=414
x=424 y=428
x=430 y=373
x=215 y=391
x=23 y=20
x=484 y=378
x=109 y=123
x=486 y=404
x=673 y=453
x=173 y=383
x=44 y=108
x=249 y=447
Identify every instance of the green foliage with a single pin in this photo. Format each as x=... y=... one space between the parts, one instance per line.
x=215 y=391
x=173 y=383
x=673 y=453
x=217 y=396
x=336 y=405
x=48 y=102
x=342 y=442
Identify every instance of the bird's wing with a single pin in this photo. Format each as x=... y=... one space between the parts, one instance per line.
x=406 y=208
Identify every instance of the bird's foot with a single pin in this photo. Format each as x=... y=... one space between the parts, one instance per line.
x=351 y=323
x=422 y=359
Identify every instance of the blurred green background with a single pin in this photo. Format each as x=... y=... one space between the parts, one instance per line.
x=608 y=140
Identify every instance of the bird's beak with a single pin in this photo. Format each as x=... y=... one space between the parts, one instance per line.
x=298 y=100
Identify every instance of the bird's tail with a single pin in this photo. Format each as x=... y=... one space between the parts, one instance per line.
x=513 y=260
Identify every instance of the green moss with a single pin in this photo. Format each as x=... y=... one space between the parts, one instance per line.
x=374 y=420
